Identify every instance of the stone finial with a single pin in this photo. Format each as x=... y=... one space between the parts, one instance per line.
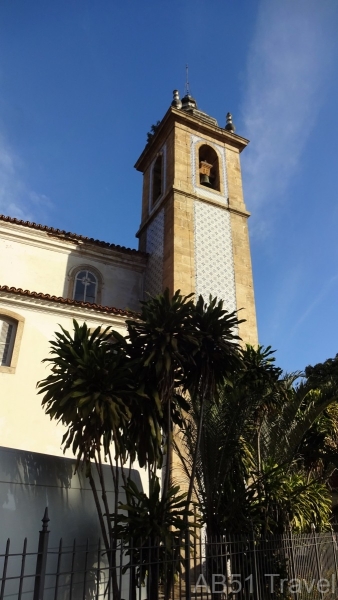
x=176 y=103
x=229 y=124
x=188 y=103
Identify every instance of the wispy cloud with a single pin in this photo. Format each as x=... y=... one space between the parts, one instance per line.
x=288 y=67
x=16 y=198
x=326 y=289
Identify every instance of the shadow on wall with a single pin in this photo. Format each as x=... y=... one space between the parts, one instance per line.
x=30 y=481
x=104 y=280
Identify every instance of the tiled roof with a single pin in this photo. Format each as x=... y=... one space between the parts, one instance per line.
x=70 y=236
x=60 y=300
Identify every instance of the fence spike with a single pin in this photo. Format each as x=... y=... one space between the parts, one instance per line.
x=45 y=520
x=41 y=561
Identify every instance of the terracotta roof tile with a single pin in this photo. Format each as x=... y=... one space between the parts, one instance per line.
x=61 y=300
x=70 y=236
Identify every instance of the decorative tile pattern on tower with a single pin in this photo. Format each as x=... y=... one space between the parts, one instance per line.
x=214 y=261
x=154 y=272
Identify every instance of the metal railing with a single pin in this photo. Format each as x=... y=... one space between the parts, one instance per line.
x=242 y=567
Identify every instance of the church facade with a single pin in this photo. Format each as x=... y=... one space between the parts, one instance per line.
x=193 y=236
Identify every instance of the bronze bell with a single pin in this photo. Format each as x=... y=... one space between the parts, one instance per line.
x=205 y=180
x=205 y=173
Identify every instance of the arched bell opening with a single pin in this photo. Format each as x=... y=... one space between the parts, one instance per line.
x=208 y=167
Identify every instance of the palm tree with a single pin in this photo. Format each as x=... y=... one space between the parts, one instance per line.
x=154 y=524
x=215 y=360
x=185 y=352
x=223 y=457
x=251 y=469
x=285 y=450
x=91 y=390
x=163 y=342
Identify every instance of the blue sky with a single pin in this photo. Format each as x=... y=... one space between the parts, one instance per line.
x=81 y=82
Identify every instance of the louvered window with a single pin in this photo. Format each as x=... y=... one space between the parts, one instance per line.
x=157 y=179
x=7 y=337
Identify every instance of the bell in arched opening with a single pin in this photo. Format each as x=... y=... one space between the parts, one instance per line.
x=209 y=175
x=205 y=173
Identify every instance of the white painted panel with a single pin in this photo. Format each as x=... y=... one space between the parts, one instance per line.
x=30 y=482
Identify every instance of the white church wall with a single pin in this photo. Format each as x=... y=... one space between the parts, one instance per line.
x=33 y=267
x=23 y=424
x=39 y=262
x=34 y=472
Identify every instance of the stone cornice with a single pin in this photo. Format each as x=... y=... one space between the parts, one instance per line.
x=67 y=235
x=201 y=198
x=174 y=115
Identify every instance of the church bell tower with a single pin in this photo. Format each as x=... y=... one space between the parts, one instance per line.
x=194 y=220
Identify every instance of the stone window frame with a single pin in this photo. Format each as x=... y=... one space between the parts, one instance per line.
x=72 y=277
x=222 y=194
x=10 y=369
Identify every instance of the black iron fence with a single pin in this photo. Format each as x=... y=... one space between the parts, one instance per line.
x=241 y=567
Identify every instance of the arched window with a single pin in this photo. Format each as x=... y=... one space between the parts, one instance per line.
x=85 y=287
x=157 y=179
x=208 y=167
x=11 y=328
x=85 y=284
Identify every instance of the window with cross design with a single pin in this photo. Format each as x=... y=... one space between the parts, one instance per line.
x=85 y=287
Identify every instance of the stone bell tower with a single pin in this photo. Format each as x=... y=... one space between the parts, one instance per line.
x=194 y=220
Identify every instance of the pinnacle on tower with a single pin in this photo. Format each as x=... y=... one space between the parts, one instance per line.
x=176 y=103
x=229 y=124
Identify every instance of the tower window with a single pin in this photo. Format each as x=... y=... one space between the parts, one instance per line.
x=208 y=167
x=85 y=288
x=157 y=179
